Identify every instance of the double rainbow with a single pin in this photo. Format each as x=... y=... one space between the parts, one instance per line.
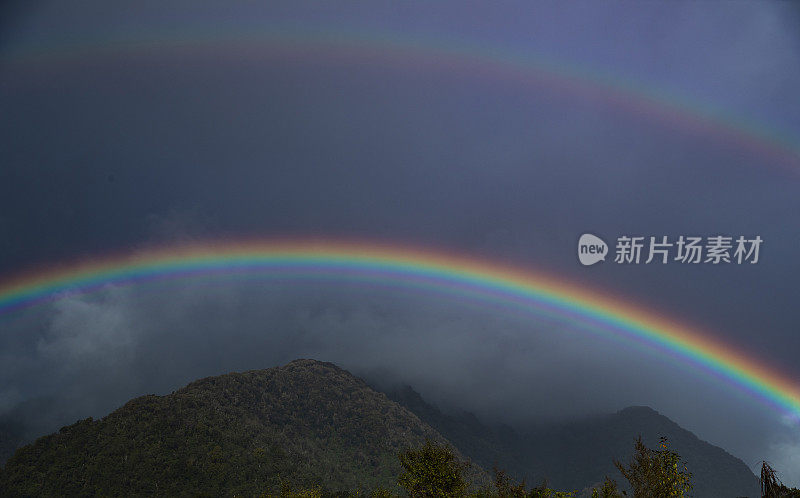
x=426 y=271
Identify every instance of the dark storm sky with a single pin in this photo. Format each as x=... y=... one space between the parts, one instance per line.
x=126 y=149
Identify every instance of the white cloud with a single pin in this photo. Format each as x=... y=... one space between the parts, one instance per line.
x=92 y=330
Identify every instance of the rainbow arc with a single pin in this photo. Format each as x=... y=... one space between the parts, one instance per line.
x=424 y=271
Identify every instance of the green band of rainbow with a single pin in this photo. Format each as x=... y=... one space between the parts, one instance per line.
x=428 y=270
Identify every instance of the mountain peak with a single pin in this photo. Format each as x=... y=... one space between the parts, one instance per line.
x=637 y=410
x=238 y=433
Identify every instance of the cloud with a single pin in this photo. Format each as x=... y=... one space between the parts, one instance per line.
x=92 y=332
x=179 y=225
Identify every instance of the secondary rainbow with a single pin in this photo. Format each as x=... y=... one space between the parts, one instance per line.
x=428 y=52
x=420 y=269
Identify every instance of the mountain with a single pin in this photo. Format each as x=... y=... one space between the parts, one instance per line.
x=578 y=454
x=574 y=454
x=485 y=445
x=242 y=433
x=310 y=423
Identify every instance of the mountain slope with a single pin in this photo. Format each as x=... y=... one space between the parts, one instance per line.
x=572 y=454
x=575 y=455
x=308 y=422
x=486 y=446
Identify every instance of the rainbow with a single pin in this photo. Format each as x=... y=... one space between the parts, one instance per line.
x=422 y=270
x=358 y=45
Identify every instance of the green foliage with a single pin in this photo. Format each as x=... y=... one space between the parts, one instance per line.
x=381 y=492
x=308 y=423
x=505 y=487
x=288 y=492
x=607 y=490
x=435 y=471
x=549 y=493
x=432 y=470
x=656 y=473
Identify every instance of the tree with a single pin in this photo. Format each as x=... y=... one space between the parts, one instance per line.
x=505 y=487
x=544 y=492
x=772 y=487
x=656 y=473
x=607 y=490
x=287 y=491
x=432 y=471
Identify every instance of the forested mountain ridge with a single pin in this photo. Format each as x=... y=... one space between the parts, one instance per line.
x=307 y=423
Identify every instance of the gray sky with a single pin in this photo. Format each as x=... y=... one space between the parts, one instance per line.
x=107 y=150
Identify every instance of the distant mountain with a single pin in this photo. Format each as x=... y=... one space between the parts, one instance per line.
x=242 y=433
x=575 y=455
x=486 y=446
